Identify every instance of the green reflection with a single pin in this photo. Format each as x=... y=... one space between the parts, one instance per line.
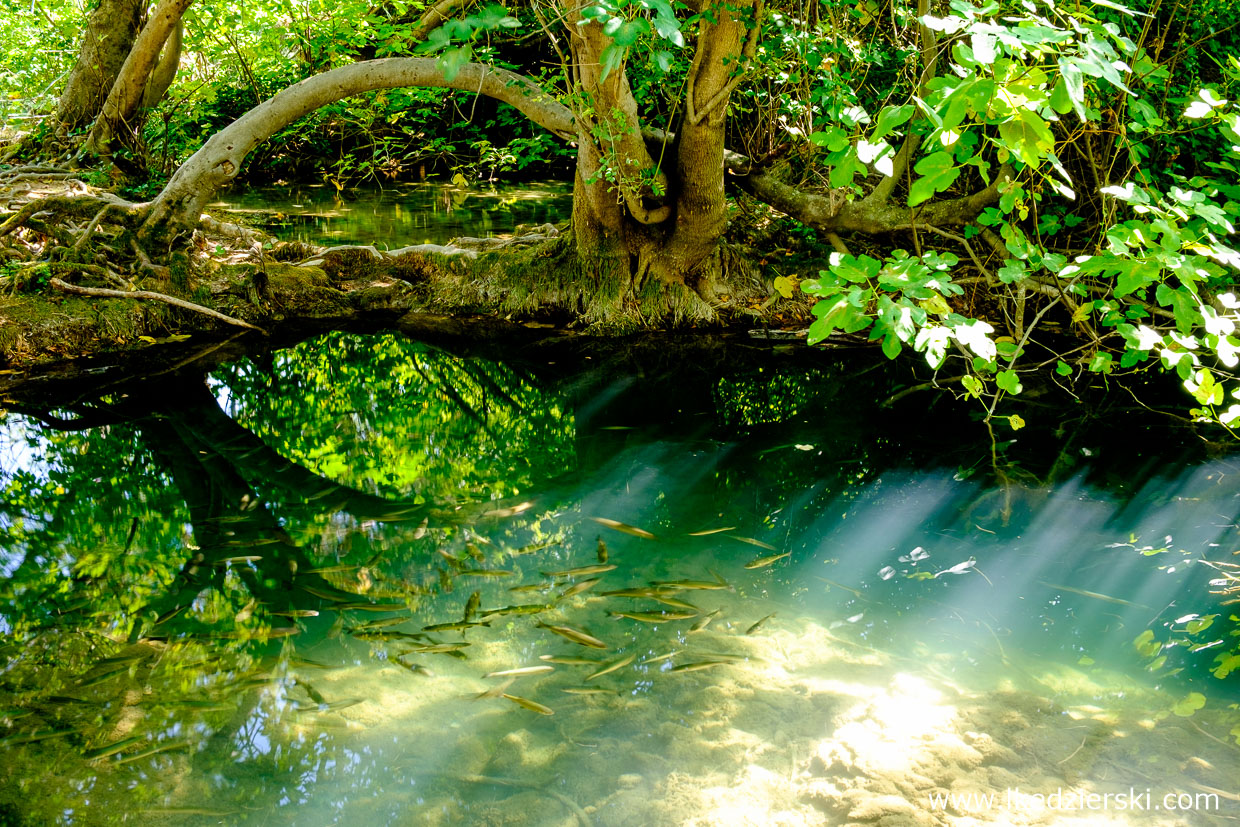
x=348 y=582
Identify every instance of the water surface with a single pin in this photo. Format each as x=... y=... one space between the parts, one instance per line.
x=399 y=216
x=217 y=591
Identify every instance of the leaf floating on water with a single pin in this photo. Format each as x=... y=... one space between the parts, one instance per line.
x=707 y=532
x=1187 y=706
x=532 y=706
x=959 y=568
x=624 y=528
x=887 y=572
x=916 y=555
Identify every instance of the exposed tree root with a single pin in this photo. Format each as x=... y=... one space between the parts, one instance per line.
x=151 y=296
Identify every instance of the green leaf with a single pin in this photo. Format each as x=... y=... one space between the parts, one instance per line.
x=892 y=346
x=1008 y=381
x=972 y=384
x=1186 y=706
x=890 y=119
x=1063 y=368
x=611 y=58
x=784 y=286
x=938 y=172
x=1101 y=363
x=1016 y=422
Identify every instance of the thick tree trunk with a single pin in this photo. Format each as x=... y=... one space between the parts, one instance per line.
x=110 y=34
x=118 y=116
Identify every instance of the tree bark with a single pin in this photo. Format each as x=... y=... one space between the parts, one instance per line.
x=117 y=118
x=109 y=35
x=179 y=205
x=166 y=70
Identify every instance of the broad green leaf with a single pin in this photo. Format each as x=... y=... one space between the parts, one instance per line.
x=1008 y=381
x=1189 y=704
x=890 y=119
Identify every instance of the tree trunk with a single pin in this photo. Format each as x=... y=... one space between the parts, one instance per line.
x=110 y=34
x=117 y=118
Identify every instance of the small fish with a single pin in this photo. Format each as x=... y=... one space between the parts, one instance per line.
x=533 y=587
x=31 y=737
x=313 y=693
x=472 y=604
x=334 y=705
x=364 y=634
x=508 y=512
x=575 y=635
x=641 y=591
x=324 y=594
x=226 y=561
x=155 y=750
x=520 y=671
x=382 y=623
x=1106 y=598
x=519 y=609
x=533 y=547
x=763 y=562
x=724 y=657
x=581 y=571
x=362 y=606
x=473 y=551
x=709 y=531
x=437 y=648
x=577 y=588
x=587 y=690
x=624 y=528
x=676 y=602
x=495 y=691
x=420 y=531
x=283 y=631
x=449 y=556
x=569 y=660
x=457 y=626
x=654 y=617
x=417 y=669
x=296 y=613
x=485 y=573
x=532 y=706
x=330 y=569
x=700 y=665
x=759 y=624
x=692 y=584
x=612 y=666
x=601 y=550
x=659 y=658
x=705 y=621
x=753 y=542
x=113 y=748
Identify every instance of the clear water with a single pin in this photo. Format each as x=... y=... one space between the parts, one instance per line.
x=214 y=600
x=427 y=213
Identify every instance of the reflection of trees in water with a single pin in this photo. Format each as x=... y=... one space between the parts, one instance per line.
x=197 y=538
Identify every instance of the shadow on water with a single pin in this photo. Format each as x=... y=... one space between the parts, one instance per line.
x=370 y=580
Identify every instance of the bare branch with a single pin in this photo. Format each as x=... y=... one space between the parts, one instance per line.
x=149 y=295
